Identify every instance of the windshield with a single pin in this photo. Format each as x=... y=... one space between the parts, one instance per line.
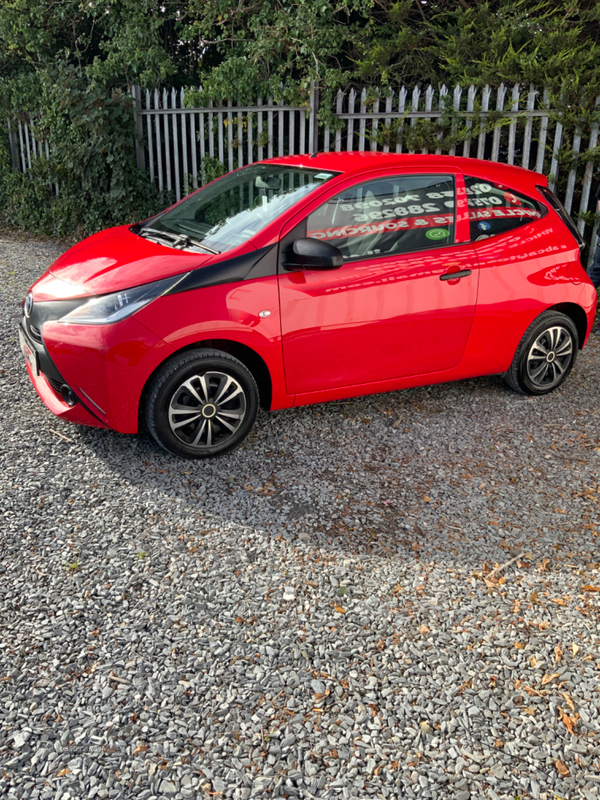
x=230 y=211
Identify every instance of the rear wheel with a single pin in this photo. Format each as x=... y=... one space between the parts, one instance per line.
x=545 y=356
x=201 y=404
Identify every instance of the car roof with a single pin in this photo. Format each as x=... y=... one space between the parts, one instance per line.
x=356 y=163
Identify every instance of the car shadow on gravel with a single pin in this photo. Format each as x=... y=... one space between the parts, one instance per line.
x=465 y=469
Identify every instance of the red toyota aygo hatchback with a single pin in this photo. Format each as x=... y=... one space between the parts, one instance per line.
x=305 y=279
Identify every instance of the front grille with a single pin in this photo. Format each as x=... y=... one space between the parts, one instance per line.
x=35 y=333
x=56 y=385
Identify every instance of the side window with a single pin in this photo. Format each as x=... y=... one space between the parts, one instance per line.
x=494 y=208
x=397 y=214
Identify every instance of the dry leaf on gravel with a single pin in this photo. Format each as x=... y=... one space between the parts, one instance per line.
x=570 y=723
x=558 y=652
x=547 y=678
x=340 y=609
x=532 y=692
x=569 y=701
x=561 y=768
x=423 y=630
x=590 y=588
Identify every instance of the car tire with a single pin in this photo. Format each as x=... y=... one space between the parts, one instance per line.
x=201 y=404
x=545 y=356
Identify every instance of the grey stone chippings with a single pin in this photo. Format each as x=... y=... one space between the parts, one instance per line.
x=309 y=616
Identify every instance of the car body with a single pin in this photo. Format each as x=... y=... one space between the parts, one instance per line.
x=388 y=316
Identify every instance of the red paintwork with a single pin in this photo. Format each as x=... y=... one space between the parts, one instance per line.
x=110 y=363
x=369 y=326
x=117 y=259
x=376 y=319
x=57 y=405
x=226 y=312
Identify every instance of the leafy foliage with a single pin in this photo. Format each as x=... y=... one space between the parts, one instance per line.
x=260 y=43
x=69 y=66
x=211 y=169
x=92 y=163
x=246 y=46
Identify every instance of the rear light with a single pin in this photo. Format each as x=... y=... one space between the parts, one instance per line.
x=553 y=200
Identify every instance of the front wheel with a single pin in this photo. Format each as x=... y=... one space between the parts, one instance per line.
x=545 y=356
x=201 y=404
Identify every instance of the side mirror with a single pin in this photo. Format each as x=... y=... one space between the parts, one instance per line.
x=312 y=254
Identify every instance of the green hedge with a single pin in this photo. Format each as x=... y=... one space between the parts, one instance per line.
x=92 y=162
x=69 y=66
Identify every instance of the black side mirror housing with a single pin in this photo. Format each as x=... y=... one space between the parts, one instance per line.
x=312 y=254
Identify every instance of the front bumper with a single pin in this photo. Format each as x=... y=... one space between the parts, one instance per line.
x=105 y=366
x=48 y=382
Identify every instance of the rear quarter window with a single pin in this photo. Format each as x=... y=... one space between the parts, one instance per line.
x=562 y=213
x=495 y=208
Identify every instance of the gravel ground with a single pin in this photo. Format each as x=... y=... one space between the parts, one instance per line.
x=313 y=616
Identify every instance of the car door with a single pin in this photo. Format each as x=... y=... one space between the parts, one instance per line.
x=392 y=309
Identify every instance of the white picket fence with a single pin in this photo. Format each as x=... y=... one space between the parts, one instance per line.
x=173 y=141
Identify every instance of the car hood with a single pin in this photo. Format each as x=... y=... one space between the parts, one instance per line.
x=118 y=259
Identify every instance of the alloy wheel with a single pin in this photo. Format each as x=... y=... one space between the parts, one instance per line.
x=549 y=357
x=207 y=409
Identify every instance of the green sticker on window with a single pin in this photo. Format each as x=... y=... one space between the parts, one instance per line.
x=437 y=233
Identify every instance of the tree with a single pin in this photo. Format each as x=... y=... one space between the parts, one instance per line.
x=69 y=66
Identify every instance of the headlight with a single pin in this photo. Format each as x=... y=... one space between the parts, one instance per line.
x=112 y=308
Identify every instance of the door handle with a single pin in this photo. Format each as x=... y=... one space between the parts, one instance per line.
x=452 y=276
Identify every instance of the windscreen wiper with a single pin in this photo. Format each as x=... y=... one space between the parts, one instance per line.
x=171 y=237
x=203 y=246
x=181 y=239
